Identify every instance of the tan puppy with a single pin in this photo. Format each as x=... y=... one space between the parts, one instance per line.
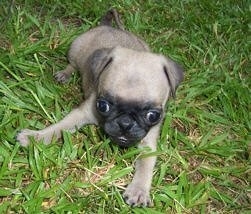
x=126 y=88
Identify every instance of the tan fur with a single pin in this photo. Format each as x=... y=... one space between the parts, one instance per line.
x=143 y=79
x=111 y=60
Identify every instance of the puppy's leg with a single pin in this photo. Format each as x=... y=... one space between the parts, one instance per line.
x=138 y=191
x=64 y=75
x=75 y=119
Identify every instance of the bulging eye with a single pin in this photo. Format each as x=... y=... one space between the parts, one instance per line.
x=103 y=106
x=153 y=116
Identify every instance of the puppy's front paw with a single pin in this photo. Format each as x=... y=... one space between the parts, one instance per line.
x=62 y=76
x=23 y=136
x=137 y=196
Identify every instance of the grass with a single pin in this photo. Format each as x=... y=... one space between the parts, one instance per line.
x=204 y=150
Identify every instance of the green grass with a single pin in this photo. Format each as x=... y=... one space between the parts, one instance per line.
x=204 y=150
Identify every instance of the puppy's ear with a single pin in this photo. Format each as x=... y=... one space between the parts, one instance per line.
x=174 y=74
x=99 y=61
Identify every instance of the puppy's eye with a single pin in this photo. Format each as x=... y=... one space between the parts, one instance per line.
x=153 y=116
x=103 y=106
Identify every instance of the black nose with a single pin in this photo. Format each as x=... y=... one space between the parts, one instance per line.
x=125 y=123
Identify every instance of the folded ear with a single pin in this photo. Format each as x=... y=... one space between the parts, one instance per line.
x=99 y=61
x=174 y=74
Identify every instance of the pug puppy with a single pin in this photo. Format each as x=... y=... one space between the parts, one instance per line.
x=126 y=88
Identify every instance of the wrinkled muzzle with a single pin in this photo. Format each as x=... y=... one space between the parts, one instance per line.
x=124 y=130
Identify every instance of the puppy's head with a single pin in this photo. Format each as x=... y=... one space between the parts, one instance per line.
x=132 y=89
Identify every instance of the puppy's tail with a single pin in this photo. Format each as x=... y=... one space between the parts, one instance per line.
x=112 y=15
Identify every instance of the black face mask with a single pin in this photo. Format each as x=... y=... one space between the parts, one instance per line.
x=126 y=123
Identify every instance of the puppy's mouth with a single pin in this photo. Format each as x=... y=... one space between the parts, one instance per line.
x=123 y=139
x=124 y=142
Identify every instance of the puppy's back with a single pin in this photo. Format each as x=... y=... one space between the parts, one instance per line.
x=103 y=36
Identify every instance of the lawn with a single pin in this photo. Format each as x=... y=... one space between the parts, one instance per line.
x=204 y=149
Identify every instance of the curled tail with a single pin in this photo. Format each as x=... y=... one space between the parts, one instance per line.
x=112 y=15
